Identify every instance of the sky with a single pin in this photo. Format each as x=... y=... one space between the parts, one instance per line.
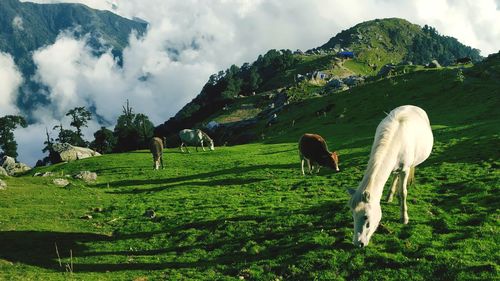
x=211 y=35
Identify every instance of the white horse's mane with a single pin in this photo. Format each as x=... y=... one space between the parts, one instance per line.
x=382 y=149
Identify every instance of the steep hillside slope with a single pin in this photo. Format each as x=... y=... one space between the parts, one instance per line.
x=300 y=75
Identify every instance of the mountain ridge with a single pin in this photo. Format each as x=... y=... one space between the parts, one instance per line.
x=26 y=27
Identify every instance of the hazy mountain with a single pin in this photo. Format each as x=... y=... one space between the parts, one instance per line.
x=25 y=27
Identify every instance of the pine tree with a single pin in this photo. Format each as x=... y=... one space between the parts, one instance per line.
x=8 y=143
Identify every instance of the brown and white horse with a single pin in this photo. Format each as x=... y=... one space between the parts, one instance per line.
x=195 y=138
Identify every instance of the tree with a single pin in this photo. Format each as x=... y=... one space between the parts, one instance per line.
x=79 y=118
x=8 y=124
x=254 y=80
x=104 y=141
x=68 y=136
x=144 y=127
x=132 y=131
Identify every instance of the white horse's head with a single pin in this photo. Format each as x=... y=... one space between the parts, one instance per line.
x=366 y=217
x=208 y=140
x=211 y=144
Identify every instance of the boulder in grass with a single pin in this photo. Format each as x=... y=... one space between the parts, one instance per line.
x=13 y=168
x=61 y=182
x=65 y=152
x=3 y=172
x=86 y=176
x=3 y=185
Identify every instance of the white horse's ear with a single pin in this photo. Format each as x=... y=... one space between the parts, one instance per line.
x=351 y=191
x=366 y=196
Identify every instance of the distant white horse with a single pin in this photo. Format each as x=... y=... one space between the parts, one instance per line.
x=402 y=141
x=196 y=138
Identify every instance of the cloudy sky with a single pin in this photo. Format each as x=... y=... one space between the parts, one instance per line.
x=226 y=32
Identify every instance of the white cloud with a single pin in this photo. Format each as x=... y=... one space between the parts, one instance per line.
x=10 y=80
x=261 y=25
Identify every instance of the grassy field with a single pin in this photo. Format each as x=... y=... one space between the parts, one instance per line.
x=246 y=212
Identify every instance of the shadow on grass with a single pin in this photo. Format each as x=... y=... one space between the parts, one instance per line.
x=212 y=183
x=226 y=172
x=288 y=243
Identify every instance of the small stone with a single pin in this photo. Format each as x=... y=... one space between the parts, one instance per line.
x=61 y=182
x=86 y=217
x=86 y=176
x=3 y=185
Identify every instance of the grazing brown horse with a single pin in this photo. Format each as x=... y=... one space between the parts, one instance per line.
x=314 y=151
x=156 y=148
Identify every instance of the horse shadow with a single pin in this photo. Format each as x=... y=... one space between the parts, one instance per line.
x=167 y=181
x=210 y=183
x=38 y=248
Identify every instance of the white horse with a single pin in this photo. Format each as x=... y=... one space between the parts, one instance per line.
x=196 y=138
x=402 y=141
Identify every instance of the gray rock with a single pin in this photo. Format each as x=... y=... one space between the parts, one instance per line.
x=353 y=80
x=7 y=161
x=3 y=172
x=86 y=176
x=61 y=182
x=46 y=174
x=65 y=152
x=433 y=64
x=12 y=168
x=335 y=83
x=3 y=185
x=386 y=70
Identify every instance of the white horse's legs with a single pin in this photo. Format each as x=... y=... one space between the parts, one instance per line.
x=393 y=189
x=201 y=143
x=309 y=166
x=403 y=192
x=183 y=144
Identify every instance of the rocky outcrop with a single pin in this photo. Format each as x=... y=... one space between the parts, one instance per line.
x=12 y=167
x=65 y=152
x=386 y=70
x=3 y=185
x=3 y=172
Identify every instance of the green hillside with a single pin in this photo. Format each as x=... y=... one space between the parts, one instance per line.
x=246 y=212
x=393 y=40
x=375 y=43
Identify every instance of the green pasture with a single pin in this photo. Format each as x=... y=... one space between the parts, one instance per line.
x=246 y=212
